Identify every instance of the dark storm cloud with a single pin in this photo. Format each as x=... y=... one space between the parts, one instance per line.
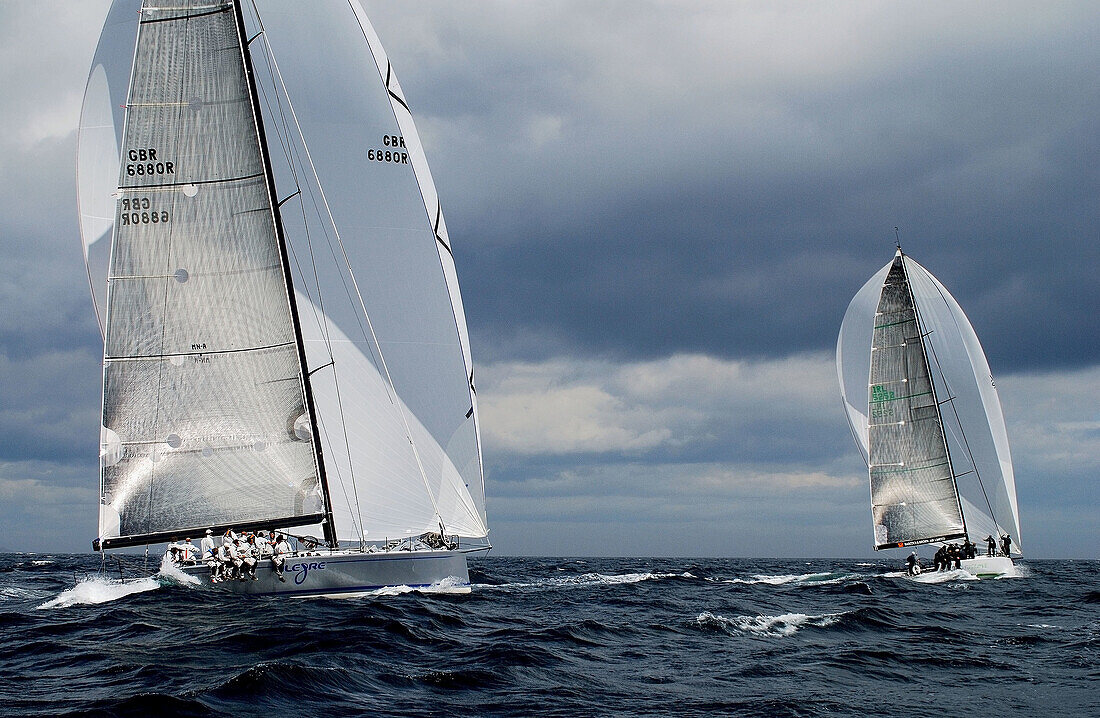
x=731 y=199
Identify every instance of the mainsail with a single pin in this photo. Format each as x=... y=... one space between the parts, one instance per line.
x=383 y=351
x=204 y=401
x=913 y=498
x=907 y=353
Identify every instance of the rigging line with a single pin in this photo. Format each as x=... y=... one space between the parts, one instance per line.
x=283 y=132
x=284 y=142
x=962 y=437
x=339 y=394
x=391 y=389
x=931 y=382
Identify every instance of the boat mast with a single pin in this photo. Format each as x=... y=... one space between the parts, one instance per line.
x=932 y=385
x=328 y=525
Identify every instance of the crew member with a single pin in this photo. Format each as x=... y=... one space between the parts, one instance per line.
x=913 y=562
x=278 y=556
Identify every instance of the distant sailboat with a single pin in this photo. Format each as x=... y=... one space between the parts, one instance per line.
x=285 y=346
x=924 y=412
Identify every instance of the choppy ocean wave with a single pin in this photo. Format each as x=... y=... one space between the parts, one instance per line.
x=785 y=625
x=555 y=637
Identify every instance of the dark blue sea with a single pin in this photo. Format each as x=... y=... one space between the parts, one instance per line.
x=560 y=637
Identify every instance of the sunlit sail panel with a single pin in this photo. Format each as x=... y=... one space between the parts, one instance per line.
x=202 y=379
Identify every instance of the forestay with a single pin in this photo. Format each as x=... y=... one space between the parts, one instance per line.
x=205 y=420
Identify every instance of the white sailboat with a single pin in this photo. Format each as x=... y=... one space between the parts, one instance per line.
x=924 y=412
x=285 y=345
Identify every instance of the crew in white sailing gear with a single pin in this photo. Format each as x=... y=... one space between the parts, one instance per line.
x=188 y=553
x=172 y=553
x=207 y=546
x=278 y=557
x=225 y=561
x=263 y=548
x=248 y=556
x=234 y=551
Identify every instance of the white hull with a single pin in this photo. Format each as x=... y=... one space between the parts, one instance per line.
x=989 y=566
x=348 y=573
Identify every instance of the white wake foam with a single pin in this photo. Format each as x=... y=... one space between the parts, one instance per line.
x=786 y=624
x=451 y=584
x=172 y=572
x=100 y=590
x=957 y=574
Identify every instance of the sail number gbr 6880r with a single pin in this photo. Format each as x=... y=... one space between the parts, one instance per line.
x=144 y=162
x=393 y=151
x=137 y=210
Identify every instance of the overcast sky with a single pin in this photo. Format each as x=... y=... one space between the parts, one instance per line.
x=659 y=212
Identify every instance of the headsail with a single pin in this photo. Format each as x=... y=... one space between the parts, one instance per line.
x=205 y=412
x=388 y=350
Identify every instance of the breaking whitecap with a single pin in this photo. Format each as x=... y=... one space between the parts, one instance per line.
x=780 y=626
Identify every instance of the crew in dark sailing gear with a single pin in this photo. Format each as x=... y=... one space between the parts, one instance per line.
x=969 y=550
x=1006 y=544
x=990 y=546
x=913 y=562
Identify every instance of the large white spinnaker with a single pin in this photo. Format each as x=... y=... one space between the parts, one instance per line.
x=970 y=408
